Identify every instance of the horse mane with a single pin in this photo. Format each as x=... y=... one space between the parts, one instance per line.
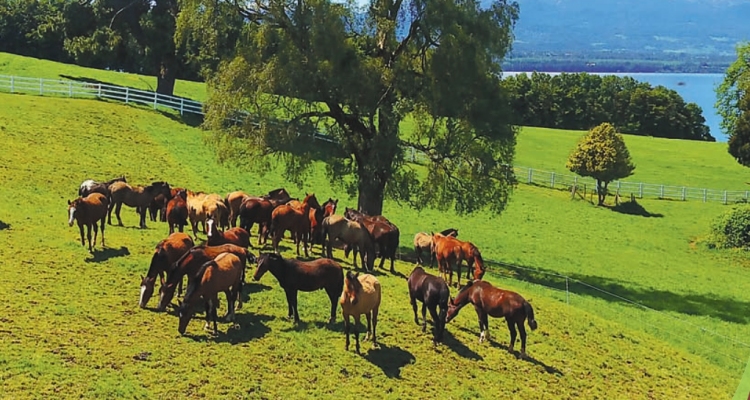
x=355 y=283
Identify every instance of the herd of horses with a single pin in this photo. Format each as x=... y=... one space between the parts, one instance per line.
x=219 y=263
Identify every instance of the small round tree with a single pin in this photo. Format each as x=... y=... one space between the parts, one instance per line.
x=602 y=155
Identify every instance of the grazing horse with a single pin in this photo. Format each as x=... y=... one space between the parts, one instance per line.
x=166 y=254
x=237 y=236
x=259 y=209
x=190 y=263
x=495 y=302
x=295 y=220
x=353 y=235
x=89 y=211
x=449 y=250
x=306 y=276
x=433 y=292
x=384 y=233
x=177 y=211
x=196 y=212
x=423 y=242
x=222 y=274
x=90 y=186
x=233 y=201
x=138 y=197
x=316 y=220
x=361 y=295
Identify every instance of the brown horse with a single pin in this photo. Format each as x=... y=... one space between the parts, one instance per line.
x=296 y=220
x=423 y=242
x=222 y=274
x=495 y=302
x=177 y=211
x=196 y=212
x=433 y=292
x=233 y=201
x=237 y=236
x=166 y=254
x=91 y=186
x=159 y=205
x=316 y=219
x=89 y=211
x=138 y=197
x=449 y=250
x=384 y=233
x=259 y=209
x=294 y=275
x=190 y=263
x=353 y=235
x=361 y=295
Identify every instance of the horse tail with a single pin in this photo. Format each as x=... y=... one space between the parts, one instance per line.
x=530 y=315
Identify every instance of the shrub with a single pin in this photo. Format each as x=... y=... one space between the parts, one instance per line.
x=732 y=229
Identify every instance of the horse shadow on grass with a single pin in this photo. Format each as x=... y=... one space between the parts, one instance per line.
x=547 y=368
x=102 y=255
x=390 y=359
x=459 y=348
x=4 y=226
x=250 y=326
x=633 y=208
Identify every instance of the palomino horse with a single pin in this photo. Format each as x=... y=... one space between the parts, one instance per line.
x=423 y=242
x=214 y=207
x=138 y=197
x=306 y=276
x=384 y=233
x=195 y=210
x=495 y=302
x=449 y=250
x=233 y=201
x=222 y=274
x=177 y=211
x=433 y=292
x=166 y=253
x=297 y=221
x=316 y=220
x=259 y=209
x=190 y=263
x=361 y=295
x=89 y=211
x=353 y=235
x=90 y=186
x=237 y=236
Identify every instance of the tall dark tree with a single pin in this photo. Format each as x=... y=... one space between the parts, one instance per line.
x=733 y=104
x=312 y=65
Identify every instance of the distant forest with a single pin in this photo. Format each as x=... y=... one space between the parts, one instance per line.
x=621 y=62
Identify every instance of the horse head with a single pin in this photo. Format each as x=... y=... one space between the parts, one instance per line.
x=72 y=206
x=351 y=287
x=266 y=261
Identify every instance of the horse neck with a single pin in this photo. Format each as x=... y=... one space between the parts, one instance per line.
x=279 y=270
x=195 y=284
x=154 y=268
x=463 y=297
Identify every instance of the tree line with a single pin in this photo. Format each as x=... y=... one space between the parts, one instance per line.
x=580 y=101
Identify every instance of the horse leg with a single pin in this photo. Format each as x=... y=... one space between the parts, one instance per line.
x=424 y=316
x=333 y=296
x=88 y=236
x=80 y=228
x=368 y=317
x=414 y=307
x=214 y=306
x=481 y=317
x=438 y=329
x=356 y=333
x=207 y=326
x=522 y=331
x=96 y=233
x=374 y=326
x=346 y=330
x=102 y=223
x=117 y=213
x=469 y=268
x=143 y=217
x=512 y=328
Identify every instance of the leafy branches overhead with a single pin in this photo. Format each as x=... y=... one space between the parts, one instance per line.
x=314 y=65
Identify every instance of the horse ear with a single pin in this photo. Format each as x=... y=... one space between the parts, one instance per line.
x=142 y=278
x=68 y=202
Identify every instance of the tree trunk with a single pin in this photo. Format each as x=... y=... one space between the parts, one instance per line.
x=165 y=79
x=601 y=191
x=370 y=195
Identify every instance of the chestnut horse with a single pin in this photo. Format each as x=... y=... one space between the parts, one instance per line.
x=233 y=201
x=237 y=236
x=432 y=292
x=306 y=276
x=259 y=209
x=89 y=211
x=353 y=235
x=90 y=186
x=177 y=211
x=222 y=274
x=361 y=295
x=166 y=253
x=384 y=233
x=158 y=205
x=495 y=302
x=449 y=250
x=295 y=220
x=190 y=263
x=423 y=242
x=138 y=197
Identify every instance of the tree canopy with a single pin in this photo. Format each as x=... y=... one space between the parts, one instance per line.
x=356 y=74
x=733 y=104
x=602 y=155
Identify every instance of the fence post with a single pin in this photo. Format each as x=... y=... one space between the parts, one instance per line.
x=640 y=190
x=567 y=292
x=156 y=97
x=182 y=105
x=413 y=155
x=70 y=89
x=531 y=171
x=127 y=95
x=661 y=192
x=725 y=197
x=11 y=84
x=100 y=91
x=683 y=193
x=553 y=180
x=705 y=192
x=41 y=87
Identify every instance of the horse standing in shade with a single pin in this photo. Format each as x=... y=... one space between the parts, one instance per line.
x=89 y=211
x=423 y=242
x=138 y=197
x=259 y=210
x=361 y=295
x=449 y=250
x=177 y=211
x=432 y=292
x=384 y=233
x=495 y=302
x=316 y=220
x=166 y=254
x=355 y=236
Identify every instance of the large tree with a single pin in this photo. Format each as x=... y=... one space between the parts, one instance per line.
x=733 y=104
x=355 y=74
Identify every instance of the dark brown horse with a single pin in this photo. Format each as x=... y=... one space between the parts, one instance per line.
x=295 y=220
x=158 y=206
x=316 y=219
x=166 y=254
x=449 y=250
x=423 y=242
x=222 y=274
x=138 y=197
x=495 y=302
x=385 y=234
x=190 y=263
x=177 y=212
x=89 y=211
x=294 y=275
x=237 y=236
x=432 y=292
x=91 y=186
x=259 y=210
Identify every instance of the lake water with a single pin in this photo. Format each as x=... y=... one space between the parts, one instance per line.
x=694 y=88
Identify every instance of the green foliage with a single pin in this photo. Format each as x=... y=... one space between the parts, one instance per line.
x=602 y=155
x=732 y=228
x=731 y=90
x=581 y=101
x=739 y=139
x=33 y=28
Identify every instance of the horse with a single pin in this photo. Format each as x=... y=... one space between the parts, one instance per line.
x=233 y=201
x=89 y=211
x=352 y=234
x=361 y=295
x=196 y=212
x=449 y=249
x=433 y=292
x=237 y=236
x=214 y=207
x=423 y=242
x=306 y=276
x=158 y=205
x=316 y=219
x=495 y=302
x=90 y=186
x=259 y=209
x=190 y=263
x=285 y=217
x=384 y=233
x=166 y=253
x=177 y=211
x=222 y=274
x=139 y=197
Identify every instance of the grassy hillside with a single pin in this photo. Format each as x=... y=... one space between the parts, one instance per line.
x=71 y=326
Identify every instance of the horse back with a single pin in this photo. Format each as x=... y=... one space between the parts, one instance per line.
x=224 y=272
x=317 y=274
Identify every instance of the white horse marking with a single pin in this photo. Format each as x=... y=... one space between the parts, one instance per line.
x=72 y=216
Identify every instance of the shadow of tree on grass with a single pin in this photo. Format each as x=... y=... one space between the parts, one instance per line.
x=633 y=208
